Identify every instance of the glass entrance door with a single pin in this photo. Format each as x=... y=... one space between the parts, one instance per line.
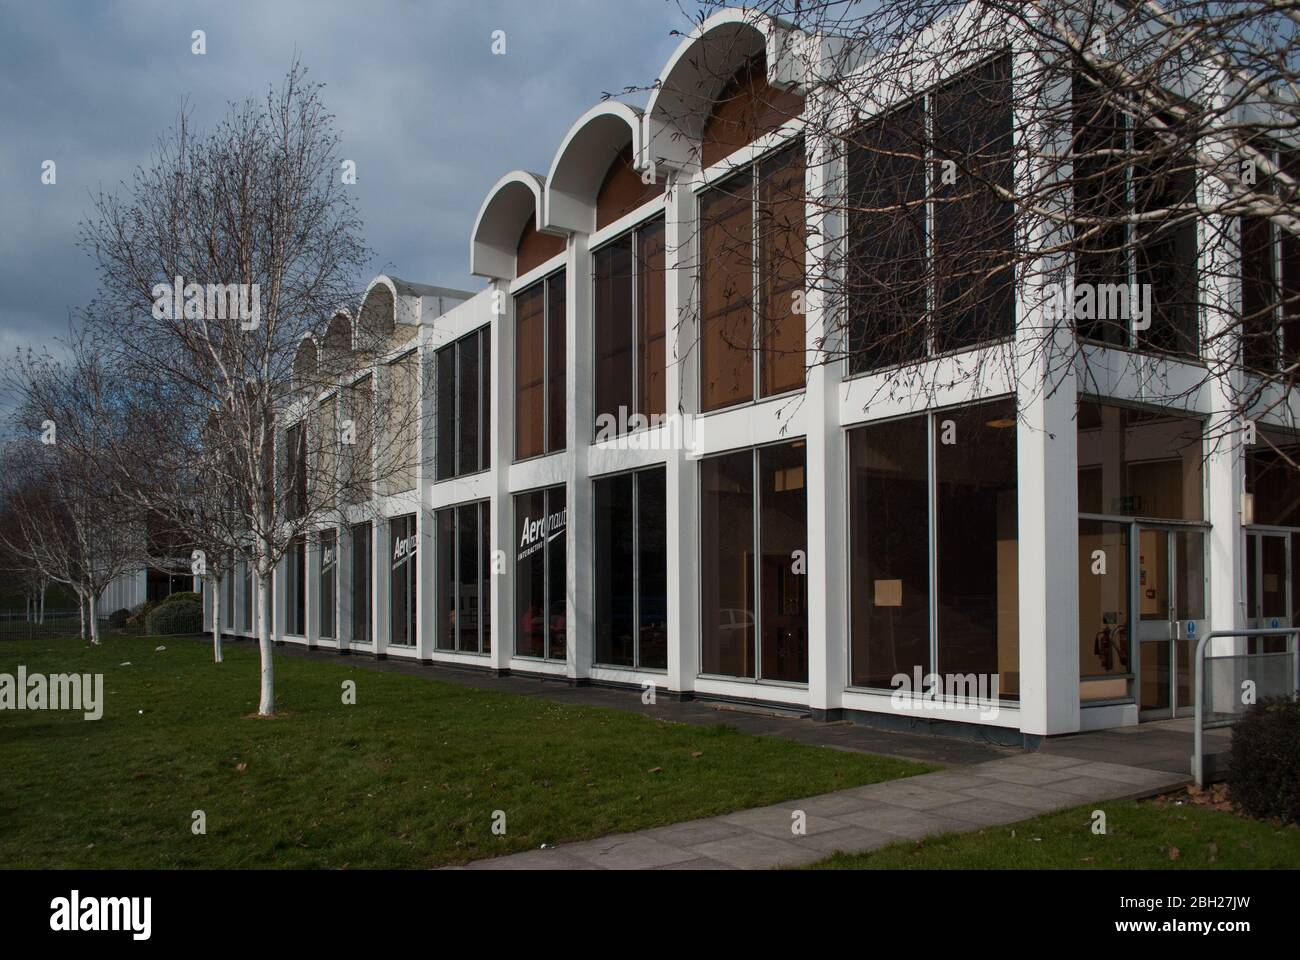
x=1170 y=590
x=1269 y=600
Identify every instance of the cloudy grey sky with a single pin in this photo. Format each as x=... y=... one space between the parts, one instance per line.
x=430 y=115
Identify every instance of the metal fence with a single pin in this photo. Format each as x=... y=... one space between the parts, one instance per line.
x=1227 y=684
x=17 y=625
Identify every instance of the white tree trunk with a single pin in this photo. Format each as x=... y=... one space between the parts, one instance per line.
x=30 y=607
x=81 y=612
x=216 y=620
x=94 y=620
x=266 y=707
x=44 y=587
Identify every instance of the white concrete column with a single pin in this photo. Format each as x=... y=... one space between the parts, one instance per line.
x=501 y=508
x=827 y=510
x=1046 y=441
x=681 y=399
x=579 y=404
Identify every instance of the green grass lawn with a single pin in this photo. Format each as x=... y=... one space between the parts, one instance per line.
x=1139 y=835
x=408 y=777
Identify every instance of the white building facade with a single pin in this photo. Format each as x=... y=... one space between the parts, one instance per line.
x=745 y=526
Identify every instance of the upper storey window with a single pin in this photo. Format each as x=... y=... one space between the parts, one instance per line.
x=539 y=368
x=752 y=267
x=931 y=236
x=1135 y=229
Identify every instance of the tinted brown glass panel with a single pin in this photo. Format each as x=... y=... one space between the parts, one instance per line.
x=361 y=469
x=535 y=248
x=1137 y=463
x=1290 y=322
x=623 y=190
x=1166 y=246
x=889 y=551
x=444 y=627
x=1274 y=480
x=615 y=571
x=783 y=536
x=613 y=334
x=783 y=244
x=530 y=576
x=1105 y=644
x=727 y=295
x=728 y=612
x=485 y=405
x=362 y=565
x=445 y=404
x=747 y=108
x=651 y=321
x=1100 y=201
x=467 y=412
x=555 y=362
x=1259 y=339
x=403 y=556
x=530 y=382
x=978 y=545
x=468 y=580
x=652 y=568
x=886 y=268
x=329 y=555
x=557 y=576
x=973 y=235
x=486 y=578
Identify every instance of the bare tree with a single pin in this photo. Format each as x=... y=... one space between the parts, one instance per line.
x=221 y=266
x=64 y=524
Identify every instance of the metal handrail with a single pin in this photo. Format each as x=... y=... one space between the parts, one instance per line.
x=1198 y=765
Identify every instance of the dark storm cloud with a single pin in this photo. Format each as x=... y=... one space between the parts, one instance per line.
x=431 y=117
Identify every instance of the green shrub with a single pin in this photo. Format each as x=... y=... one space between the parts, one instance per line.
x=175 y=616
x=1264 y=765
x=117 y=619
x=139 y=612
x=181 y=596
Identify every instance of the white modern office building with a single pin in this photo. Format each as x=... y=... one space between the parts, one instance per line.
x=629 y=473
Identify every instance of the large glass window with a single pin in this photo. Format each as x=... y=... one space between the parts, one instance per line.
x=1139 y=463
x=464 y=565
x=404 y=541
x=753 y=217
x=930 y=241
x=463 y=405
x=753 y=505
x=631 y=570
x=362 y=564
x=329 y=555
x=1146 y=238
x=629 y=329
x=296 y=594
x=541 y=522
x=295 y=472
x=889 y=545
x=934 y=561
x=539 y=368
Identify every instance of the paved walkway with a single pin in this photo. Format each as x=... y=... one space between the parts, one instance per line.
x=980 y=795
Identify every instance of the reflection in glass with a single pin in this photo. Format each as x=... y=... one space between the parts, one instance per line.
x=727 y=565
x=889 y=564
